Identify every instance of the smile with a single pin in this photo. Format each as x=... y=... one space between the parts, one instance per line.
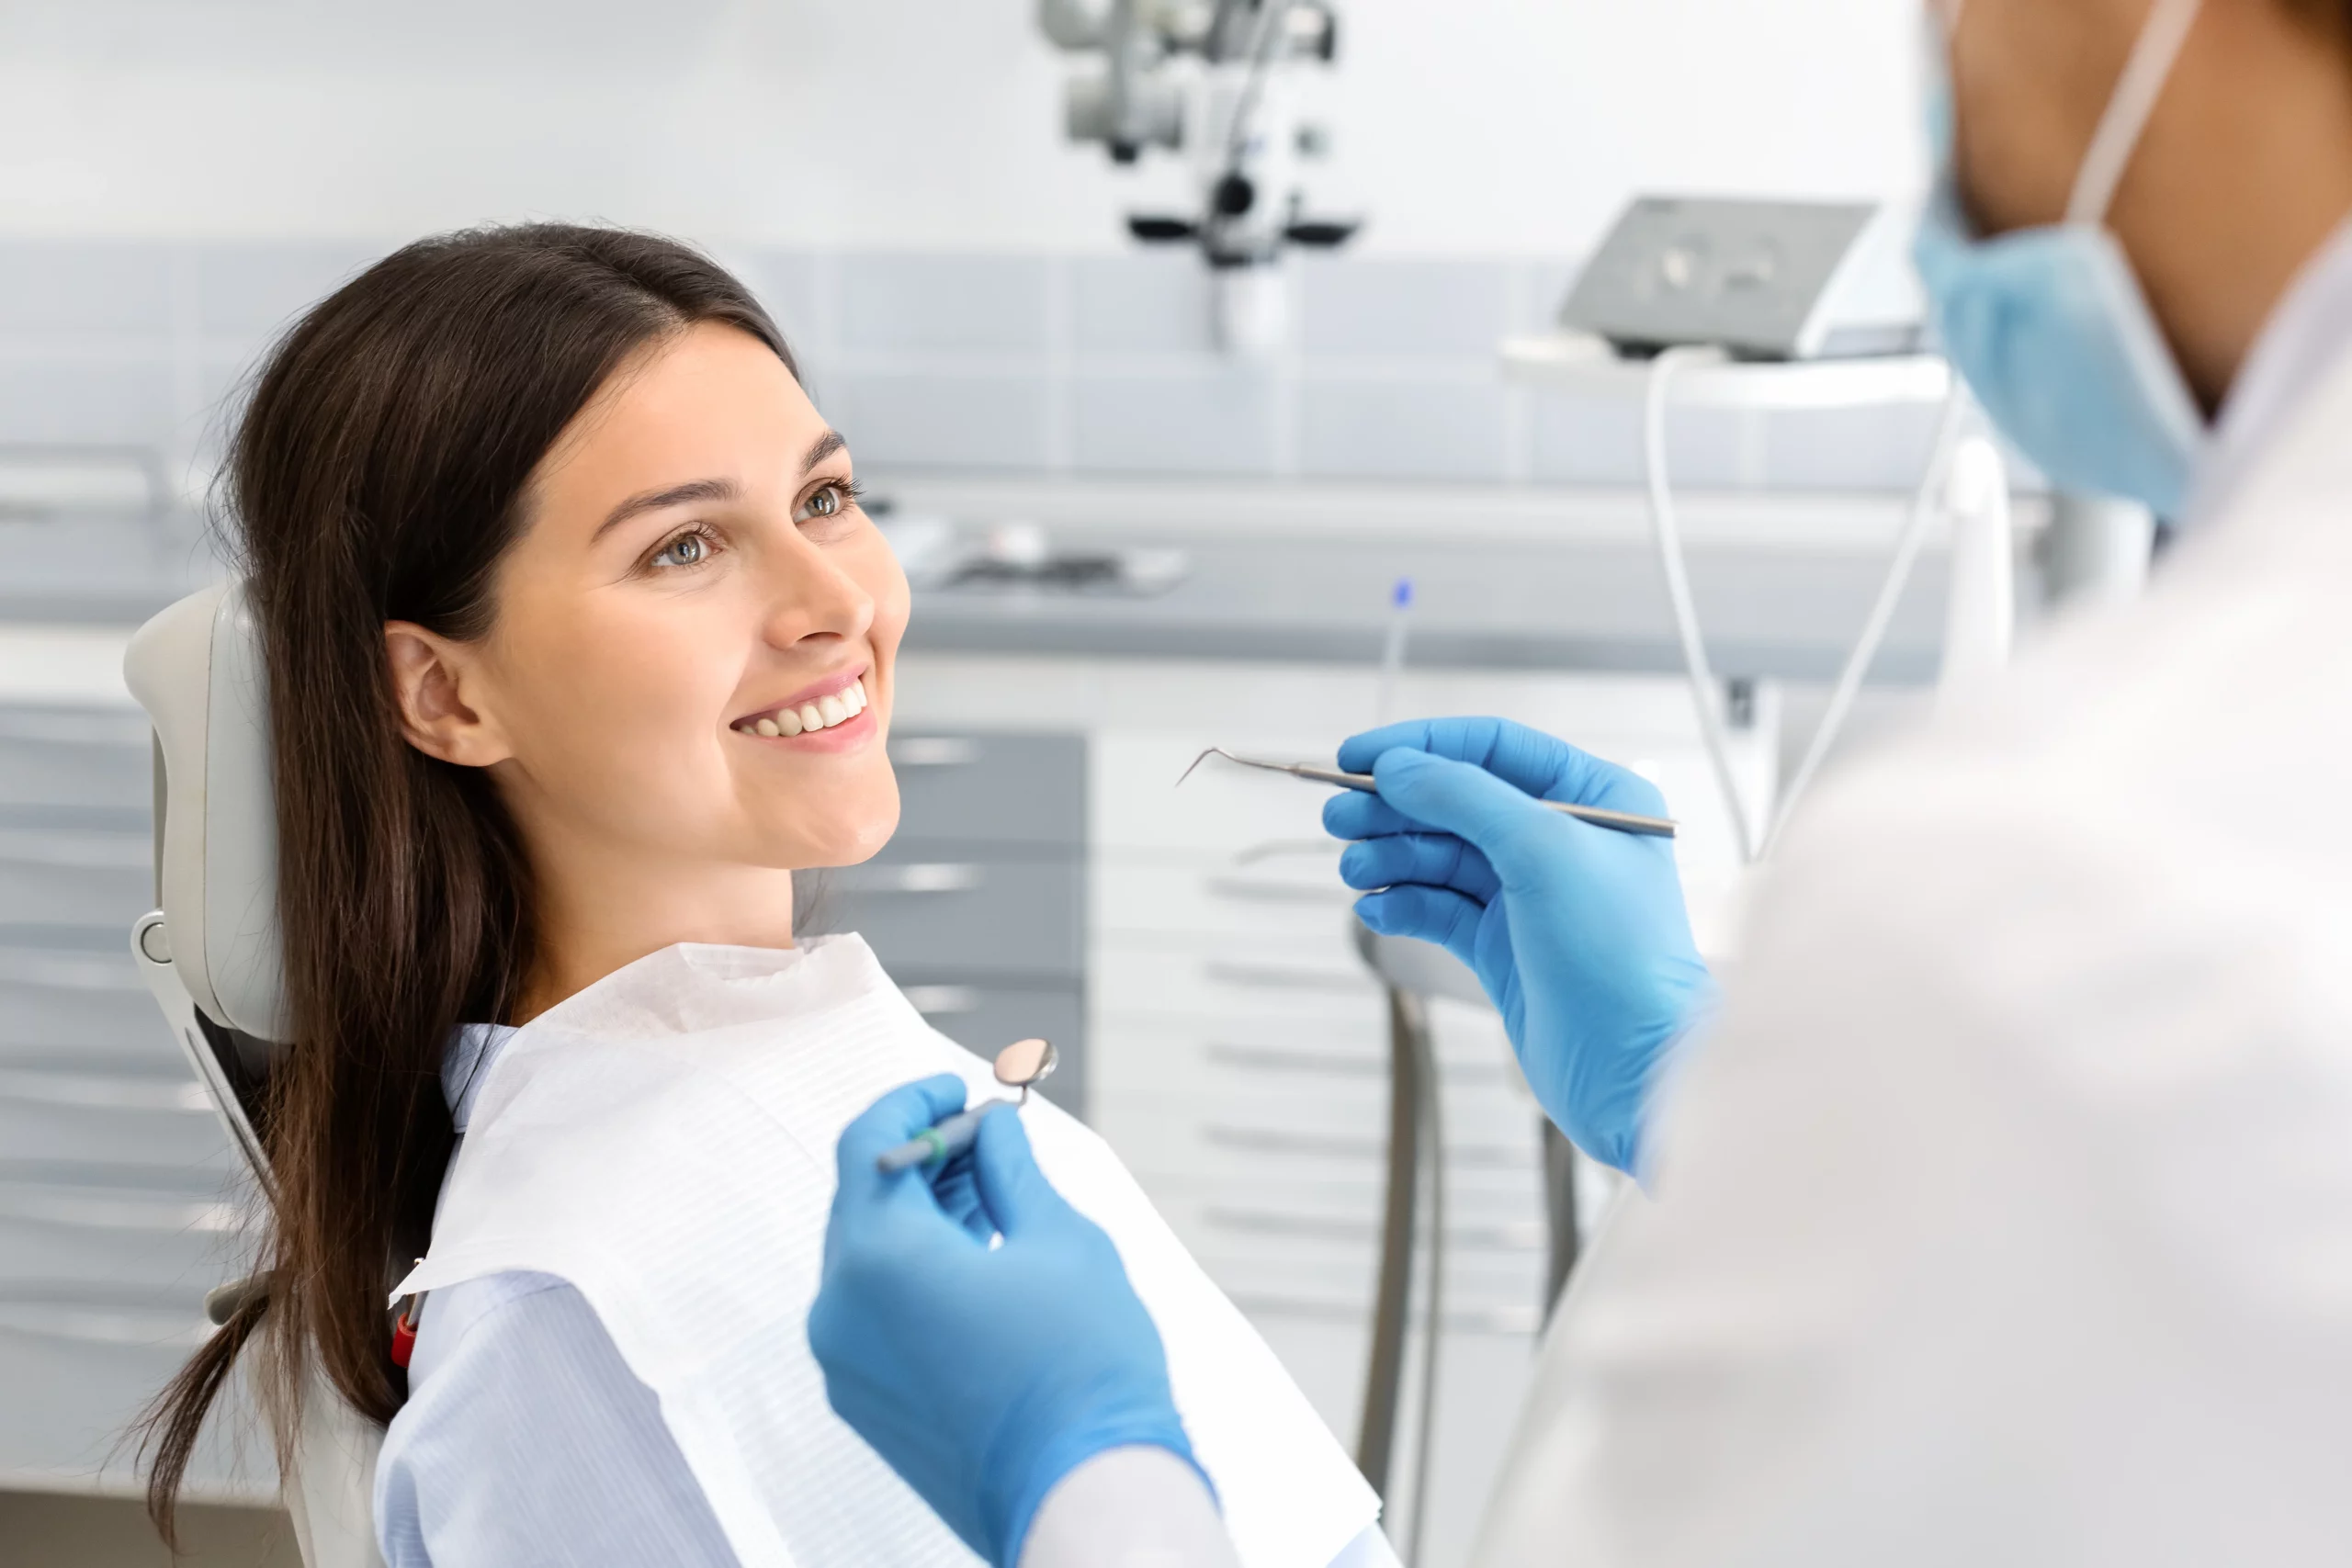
x=821 y=713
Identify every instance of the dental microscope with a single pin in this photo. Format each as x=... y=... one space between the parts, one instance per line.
x=1218 y=82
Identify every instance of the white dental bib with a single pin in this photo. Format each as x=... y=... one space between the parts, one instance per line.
x=664 y=1142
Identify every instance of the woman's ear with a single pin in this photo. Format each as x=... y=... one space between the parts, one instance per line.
x=432 y=680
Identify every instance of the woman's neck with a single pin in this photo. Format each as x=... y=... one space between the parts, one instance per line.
x=597 y=912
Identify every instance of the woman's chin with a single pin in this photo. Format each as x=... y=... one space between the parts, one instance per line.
x=842 y=841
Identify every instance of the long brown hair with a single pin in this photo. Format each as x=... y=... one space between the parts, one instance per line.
x=379 y=471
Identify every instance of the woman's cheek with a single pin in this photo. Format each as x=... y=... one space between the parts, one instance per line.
x=659 y=685
x=877 y=571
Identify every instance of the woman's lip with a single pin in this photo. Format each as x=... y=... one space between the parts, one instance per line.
x=832 y=685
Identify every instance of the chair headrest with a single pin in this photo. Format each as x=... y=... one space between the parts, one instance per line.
x=197 y=668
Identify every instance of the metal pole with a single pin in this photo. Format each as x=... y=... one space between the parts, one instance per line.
x=1563 y=1239
x=1433 y=1140
x=1376 y=1447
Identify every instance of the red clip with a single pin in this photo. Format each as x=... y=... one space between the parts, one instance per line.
x=404 y=1333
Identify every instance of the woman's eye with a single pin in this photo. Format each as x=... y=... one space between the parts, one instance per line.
x=686 y=549
x=829 y=501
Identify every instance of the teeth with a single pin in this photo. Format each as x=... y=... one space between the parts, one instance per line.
x=822 y=714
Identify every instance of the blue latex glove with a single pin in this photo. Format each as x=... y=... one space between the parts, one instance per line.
x=1578 y=932
x=982 y=1374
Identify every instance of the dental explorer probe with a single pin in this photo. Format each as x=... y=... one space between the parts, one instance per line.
x=1598 y=815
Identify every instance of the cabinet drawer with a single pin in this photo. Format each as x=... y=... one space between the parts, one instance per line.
x=991 y=788
x=1220 y=811
x=1304 y=990
x=1186 y=1143
x=71 y=876
x=1294 y=897
x=1147 y=1063
x=1162 y=1145
x=1343 y=1205
x=1501 y=1294
x=1511 y=1308
x=1480 y=1127
x=1318 y=1243
x=69 y=1229
x=962 y=916
x=77 y=758
x=64 y=997
x=110 y=1119
x=1146 y=1058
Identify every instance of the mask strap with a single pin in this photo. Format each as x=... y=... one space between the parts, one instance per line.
x=2141 y=84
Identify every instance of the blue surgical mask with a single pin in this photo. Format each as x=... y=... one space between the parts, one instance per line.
x=2049 y=326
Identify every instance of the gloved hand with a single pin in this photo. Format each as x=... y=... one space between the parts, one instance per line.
x=983 y=1375
x=1578 y=932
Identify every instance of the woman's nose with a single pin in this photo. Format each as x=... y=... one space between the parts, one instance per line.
x=810 y=594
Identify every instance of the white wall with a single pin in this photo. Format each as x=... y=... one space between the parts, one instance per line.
x=1465 y=127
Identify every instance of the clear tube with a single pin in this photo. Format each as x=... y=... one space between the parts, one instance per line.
x=1666 y=528
x=1668 y=532
x=1889 y=594
x=1391 y=653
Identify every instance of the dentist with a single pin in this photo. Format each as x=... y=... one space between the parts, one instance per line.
x=2002 y=1211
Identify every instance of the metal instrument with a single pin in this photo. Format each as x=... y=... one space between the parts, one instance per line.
x=1024 y=1064
x=1599 y=816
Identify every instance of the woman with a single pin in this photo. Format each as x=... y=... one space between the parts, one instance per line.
x=579 y=645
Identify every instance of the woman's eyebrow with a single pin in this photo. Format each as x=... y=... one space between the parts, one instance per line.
x=675 y=495
x=824 y=447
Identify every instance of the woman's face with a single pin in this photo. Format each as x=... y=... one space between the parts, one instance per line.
x=691 y=655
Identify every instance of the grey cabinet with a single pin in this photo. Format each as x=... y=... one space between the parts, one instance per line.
x=980 y=914
x=978 y=907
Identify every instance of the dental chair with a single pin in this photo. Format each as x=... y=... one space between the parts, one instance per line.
x=210 y=956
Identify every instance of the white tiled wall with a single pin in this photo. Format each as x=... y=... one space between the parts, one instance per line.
x=1094 y=365
x=1200 y=417
x=1403 y=425
x=1432 y=308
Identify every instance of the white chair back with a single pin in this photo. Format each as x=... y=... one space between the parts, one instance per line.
x=210 y=956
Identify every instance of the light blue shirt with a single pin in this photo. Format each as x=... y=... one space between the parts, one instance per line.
x=527 y=1439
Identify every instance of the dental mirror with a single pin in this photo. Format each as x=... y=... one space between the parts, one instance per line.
x=1026 y=1063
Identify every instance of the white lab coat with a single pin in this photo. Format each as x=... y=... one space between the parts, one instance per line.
x=2007 y=1216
